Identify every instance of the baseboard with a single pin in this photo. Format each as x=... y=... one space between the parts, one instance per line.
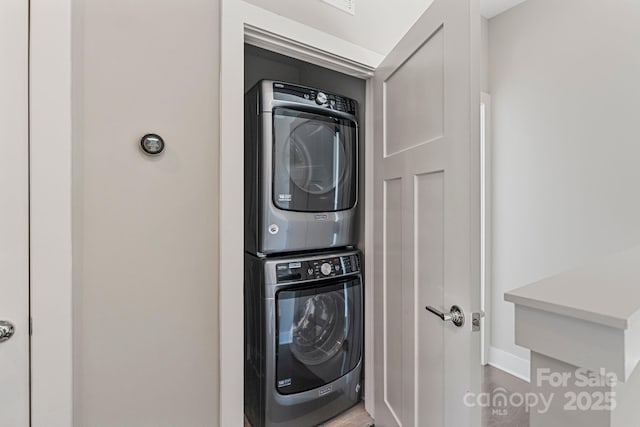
x=509 y=363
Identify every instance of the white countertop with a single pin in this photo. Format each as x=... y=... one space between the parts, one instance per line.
x=606 y=292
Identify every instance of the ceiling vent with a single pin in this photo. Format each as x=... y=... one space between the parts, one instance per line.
x=348 y=6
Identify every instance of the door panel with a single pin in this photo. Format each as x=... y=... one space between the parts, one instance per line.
x=413 y=98
x=429 y=284
x=14 y=225
x=393 y=297
x=426 y=198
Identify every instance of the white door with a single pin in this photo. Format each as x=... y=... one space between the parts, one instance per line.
x=427 y=200
x=14 y=213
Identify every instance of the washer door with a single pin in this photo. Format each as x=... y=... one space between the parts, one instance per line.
x=319 y=328
x=314 y=161
x=319 y=334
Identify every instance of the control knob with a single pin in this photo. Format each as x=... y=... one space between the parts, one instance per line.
x=325 y=268
x=321 y=98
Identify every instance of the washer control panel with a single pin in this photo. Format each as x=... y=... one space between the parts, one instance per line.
x=300 y=271
x=304 y=95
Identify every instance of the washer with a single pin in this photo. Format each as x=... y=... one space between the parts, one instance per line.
x=303 y=338
x=301 y=166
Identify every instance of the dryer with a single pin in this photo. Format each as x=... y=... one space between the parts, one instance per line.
x=301 y=169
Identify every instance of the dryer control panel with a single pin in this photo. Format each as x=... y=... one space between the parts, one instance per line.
x=305 y=95
x=300 y=271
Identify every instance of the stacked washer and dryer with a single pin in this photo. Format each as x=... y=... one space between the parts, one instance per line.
x=303 y=283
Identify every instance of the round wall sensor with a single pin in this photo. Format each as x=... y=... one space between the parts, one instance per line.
x=152 y=144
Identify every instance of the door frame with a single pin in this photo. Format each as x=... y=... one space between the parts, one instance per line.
x=486 y=203
x=50 y=143
x=14 y=193
x=244 y=23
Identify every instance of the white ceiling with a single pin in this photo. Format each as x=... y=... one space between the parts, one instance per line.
x=377 y=24
x=491 y=8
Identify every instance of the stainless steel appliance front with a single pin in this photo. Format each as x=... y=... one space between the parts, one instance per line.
x=301 y=163
x=303 y=337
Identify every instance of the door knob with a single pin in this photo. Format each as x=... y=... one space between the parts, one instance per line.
x=6 y=330
x=455 y=315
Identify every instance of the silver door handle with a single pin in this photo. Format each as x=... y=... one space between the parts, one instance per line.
x=455 y=315
x=6 y=330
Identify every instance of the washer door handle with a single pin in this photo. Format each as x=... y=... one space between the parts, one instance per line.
x=455 y=315
x=6 y=330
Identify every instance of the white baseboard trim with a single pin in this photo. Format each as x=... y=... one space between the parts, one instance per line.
x=511 y=364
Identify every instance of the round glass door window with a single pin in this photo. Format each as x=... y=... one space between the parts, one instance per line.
x=314 y=161
x=314 y=158
x=318 y=330
x=319 y=334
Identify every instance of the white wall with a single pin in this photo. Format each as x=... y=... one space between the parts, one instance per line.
x=146 y=229
x=566 y=105
x=377 y=25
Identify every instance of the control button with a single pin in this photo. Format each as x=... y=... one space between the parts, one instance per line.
x=321 y=98
x=325 y=268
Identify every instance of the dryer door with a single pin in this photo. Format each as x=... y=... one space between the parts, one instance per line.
x=319 y=334
x=314 y=161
